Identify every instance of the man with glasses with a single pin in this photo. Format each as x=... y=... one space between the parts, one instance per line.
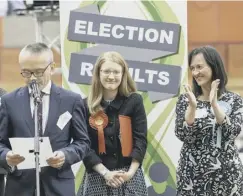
x=62 y=120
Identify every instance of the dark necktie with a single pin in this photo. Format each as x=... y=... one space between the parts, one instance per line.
x=39 y=115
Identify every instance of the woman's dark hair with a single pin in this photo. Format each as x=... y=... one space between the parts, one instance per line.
x=214 y=60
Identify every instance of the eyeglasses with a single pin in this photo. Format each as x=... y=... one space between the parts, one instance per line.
x=108 y=72
x=38 y=73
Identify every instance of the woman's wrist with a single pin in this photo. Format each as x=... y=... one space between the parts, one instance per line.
x=131 y=172
x=104 y=172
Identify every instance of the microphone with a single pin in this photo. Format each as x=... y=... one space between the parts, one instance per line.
x=35 y=90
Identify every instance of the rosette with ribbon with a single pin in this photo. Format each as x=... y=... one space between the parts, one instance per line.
x=98 y=122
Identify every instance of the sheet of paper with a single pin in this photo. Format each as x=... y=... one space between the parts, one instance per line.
x=25 y=147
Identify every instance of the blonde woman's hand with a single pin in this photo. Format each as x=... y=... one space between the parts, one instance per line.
x=113 y=178
x=126 y=176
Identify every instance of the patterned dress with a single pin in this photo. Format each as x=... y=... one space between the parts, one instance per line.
x=209 y=160
x=95 y=185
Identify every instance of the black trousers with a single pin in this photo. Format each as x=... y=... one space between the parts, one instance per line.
x=2 y=185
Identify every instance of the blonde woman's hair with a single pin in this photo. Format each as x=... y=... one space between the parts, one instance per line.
x=126 y=87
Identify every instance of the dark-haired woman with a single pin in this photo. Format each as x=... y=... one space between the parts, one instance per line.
x=208 y=119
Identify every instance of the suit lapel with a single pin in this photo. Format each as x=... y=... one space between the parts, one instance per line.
x=54 y=106
x=25 y=109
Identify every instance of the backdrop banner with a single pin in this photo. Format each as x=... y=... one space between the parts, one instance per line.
x=152 y=37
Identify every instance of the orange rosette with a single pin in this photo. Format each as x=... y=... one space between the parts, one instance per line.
x=98 y=122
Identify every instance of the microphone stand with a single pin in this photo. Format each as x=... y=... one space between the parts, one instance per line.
x=37 y=139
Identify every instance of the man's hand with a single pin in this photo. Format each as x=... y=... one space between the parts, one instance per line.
x=57 y=160
x=14 y=159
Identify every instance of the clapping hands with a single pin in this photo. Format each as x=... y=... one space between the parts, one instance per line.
x=213 y=97
x=191 y=97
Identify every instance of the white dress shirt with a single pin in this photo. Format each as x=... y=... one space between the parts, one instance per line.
x=45 y=104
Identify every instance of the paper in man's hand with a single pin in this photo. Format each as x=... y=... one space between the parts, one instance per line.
x=25 y=147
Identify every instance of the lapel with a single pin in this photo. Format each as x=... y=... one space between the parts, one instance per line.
x=54 y=107
x=25 y=109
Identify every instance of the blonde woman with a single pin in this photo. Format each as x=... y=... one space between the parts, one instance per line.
x=117 y=128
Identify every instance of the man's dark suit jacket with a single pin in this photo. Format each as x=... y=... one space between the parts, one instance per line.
x=2 y=183
x=16 y=121
x=2 y=170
